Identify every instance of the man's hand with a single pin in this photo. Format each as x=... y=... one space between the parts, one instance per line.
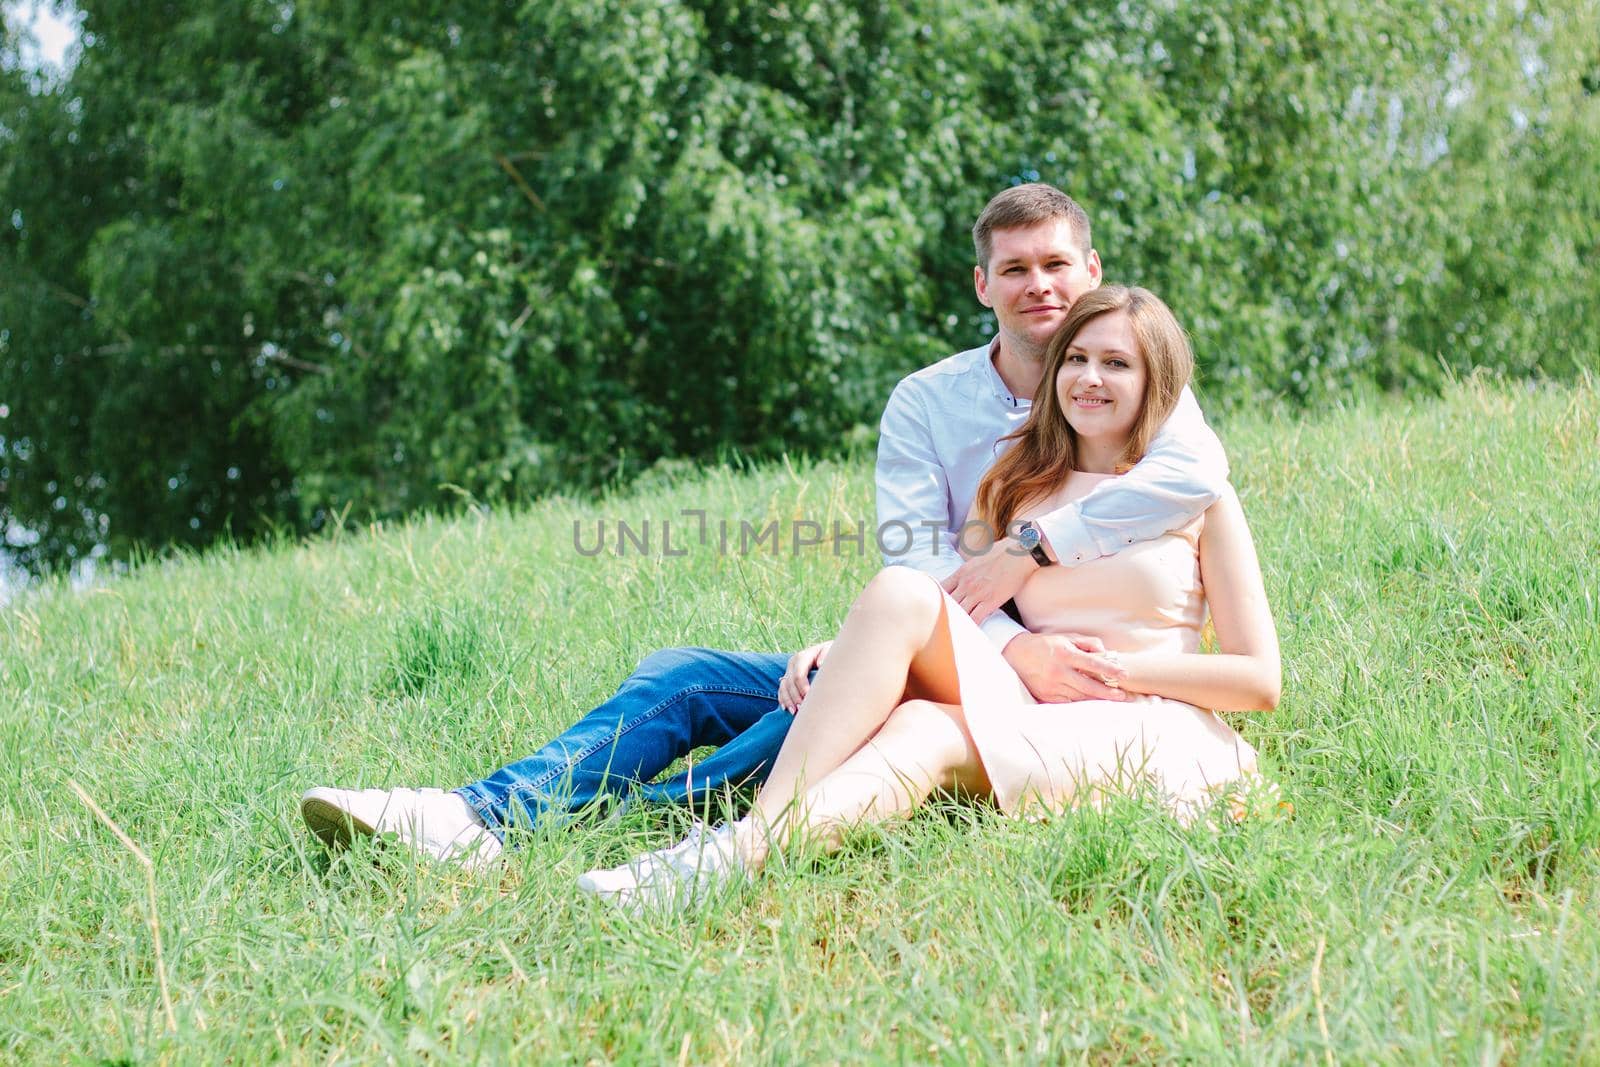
x=983 y=583
x=797 y=678
x=1060 y=668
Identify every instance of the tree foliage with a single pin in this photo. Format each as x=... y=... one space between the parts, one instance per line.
x=264 y=264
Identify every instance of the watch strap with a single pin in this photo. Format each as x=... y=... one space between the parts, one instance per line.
x=1035 y=549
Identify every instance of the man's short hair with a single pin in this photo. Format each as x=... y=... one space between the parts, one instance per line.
x=1027 y=205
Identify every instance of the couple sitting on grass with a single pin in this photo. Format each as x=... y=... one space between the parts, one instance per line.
x=1075 y=438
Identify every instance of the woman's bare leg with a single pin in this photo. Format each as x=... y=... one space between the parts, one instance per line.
x=894 y=647
x=922 y=747
x=894 y=643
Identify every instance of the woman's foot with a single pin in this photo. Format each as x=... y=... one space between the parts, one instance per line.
x=672 y=878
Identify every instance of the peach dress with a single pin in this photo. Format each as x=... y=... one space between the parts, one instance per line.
x=1145 y=598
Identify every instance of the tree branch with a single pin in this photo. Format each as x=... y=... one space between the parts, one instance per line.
x=299 y=364
x=214 y=350
x=66 y=294
x=516 y=176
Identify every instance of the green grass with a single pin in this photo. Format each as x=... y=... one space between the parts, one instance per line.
x=1434 y=568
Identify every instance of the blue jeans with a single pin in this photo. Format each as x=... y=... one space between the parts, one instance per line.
x=674 y=702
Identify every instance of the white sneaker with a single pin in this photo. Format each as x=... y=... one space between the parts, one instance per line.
x=431 y=821
x=610 y=884
x=669 y=878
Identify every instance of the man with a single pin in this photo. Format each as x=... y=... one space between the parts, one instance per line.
x=940 y=432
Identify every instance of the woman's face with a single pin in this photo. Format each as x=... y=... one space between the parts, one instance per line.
x=1101 y=381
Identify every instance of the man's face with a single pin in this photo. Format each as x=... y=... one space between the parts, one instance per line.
x=1034 y=275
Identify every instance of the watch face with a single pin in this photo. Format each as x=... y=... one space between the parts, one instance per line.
x=1028 y=535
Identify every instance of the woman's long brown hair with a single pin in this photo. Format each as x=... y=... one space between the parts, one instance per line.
x=1046 y=448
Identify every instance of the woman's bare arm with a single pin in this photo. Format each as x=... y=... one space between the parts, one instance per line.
x=1245 y=674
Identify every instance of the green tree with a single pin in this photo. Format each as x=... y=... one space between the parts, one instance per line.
x=269 y=263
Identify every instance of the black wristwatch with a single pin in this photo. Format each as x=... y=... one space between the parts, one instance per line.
x=1028 y=537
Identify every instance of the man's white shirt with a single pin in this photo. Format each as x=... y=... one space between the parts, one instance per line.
x=941 y=431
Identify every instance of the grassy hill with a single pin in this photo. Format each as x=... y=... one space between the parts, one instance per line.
x=1434 y=568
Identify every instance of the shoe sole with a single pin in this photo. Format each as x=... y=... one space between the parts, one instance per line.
x=331 y=824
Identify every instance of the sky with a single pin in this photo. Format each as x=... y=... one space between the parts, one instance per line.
x=48 y=31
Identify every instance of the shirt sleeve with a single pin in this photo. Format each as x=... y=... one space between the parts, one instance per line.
x=1000 y=628
x=913 y=489
x=1181 y=475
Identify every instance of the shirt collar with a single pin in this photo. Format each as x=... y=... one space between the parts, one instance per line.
x=997 y=384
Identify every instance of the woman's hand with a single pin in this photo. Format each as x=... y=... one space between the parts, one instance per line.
x=797 y=678
x=1062 y=668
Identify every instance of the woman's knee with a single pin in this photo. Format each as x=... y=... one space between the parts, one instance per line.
x=903 y=591
x=928 y=726
x=914 y=714
x=924 y=746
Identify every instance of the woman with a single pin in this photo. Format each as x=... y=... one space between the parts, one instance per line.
x=914 y=698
